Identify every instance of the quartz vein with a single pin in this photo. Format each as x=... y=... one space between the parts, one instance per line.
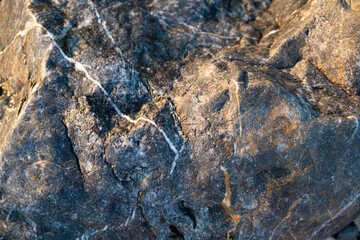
x=80 y=67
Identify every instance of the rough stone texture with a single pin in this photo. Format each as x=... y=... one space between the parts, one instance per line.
x=186 y=119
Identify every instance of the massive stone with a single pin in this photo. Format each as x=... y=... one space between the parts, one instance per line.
x=180 y=119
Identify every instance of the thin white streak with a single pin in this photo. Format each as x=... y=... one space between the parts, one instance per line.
x=272 y=32
x=107 y=32
x=173 y=165
x=130 y=218
x=80 y=67
x=86 y=235
x=336 y=215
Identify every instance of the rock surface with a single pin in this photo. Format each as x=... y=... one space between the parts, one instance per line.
x=179 y=119
x=348 y=233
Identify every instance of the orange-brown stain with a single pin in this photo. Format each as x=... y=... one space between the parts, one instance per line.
x=226 y=203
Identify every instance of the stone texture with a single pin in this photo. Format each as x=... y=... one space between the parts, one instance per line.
x=348 y=233
x=178 y=119
x=357 y=223
x=324 y=33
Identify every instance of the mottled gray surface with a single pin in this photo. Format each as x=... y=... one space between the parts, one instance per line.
x=178 y=119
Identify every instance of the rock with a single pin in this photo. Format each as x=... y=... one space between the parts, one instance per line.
x=348 y=233
x=178 y=119
x=322 y=34
x=357 y=223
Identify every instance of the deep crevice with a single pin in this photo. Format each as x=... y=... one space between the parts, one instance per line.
x=23 y=100
x=244 y=79
x=175 y=233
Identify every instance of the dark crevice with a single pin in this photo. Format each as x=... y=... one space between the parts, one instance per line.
x=231 y=236
x=152 y=230
x=307 y=32
x=345 y=4
x=103 y=111
x=23 y=100
x=71 y=146
x=175 y=233
x=3 y=92
x=221 y=65
x=68 y=42
x=189 y=212
x=244 y=79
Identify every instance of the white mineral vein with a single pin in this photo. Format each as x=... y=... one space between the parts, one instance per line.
x=107 y=32
x=80 y=67
x=335 y=216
